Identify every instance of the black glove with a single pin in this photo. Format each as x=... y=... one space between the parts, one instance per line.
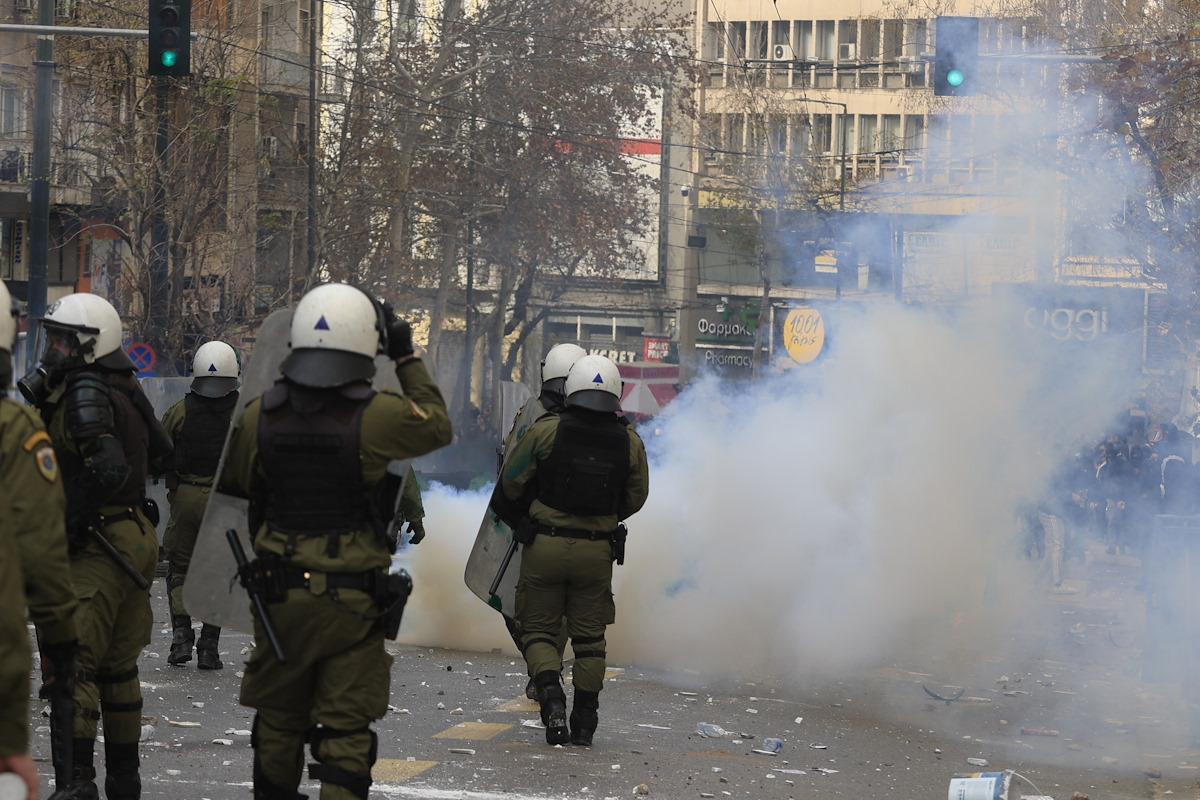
x=399 y=334
x=416 y=532
x=58 y=670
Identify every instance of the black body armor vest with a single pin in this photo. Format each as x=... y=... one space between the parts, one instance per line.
x=588 y=466
x=202 y=436
x=308 y=440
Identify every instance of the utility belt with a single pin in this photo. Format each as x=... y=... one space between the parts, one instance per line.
x=572 y=533
x=270 y=578
x=296 y=578
x=528 y=529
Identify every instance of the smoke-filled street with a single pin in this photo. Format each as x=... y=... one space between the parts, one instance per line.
x=460 y=727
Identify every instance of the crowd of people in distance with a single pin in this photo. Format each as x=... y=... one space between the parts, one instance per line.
x=1107 y=491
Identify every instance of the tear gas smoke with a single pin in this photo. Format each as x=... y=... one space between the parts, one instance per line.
x=805 y=526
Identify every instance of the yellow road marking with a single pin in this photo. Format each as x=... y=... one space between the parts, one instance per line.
x=520 y=704
x=392 y=770
x=477 y=731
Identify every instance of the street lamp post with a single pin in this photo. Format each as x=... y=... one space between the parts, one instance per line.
x=841 y=146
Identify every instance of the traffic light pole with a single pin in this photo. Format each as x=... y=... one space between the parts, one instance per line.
x=160 y=280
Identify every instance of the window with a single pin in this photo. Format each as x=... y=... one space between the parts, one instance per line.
x=868 y=126
x=12 y=112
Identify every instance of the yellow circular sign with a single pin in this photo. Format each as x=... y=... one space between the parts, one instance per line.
x=803 y=334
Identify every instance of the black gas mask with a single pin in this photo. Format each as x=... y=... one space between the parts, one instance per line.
x=36 y=386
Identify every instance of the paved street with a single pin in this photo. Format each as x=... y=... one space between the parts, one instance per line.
x=460 y=726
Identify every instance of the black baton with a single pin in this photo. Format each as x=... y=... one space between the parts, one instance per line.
x=116 y=556
x=260 y=608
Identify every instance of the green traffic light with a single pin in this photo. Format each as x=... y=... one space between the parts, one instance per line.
x=168 y=58
x=955 y=77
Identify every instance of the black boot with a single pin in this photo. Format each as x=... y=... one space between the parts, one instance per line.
x=122 y=780
x=554 y=706
x=182 y=638
x=83 y=774
x=584 y=717
x=206 y=649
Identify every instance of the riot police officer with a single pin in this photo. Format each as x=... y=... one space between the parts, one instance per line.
x=197 y=425
x=32 y=512
x=14 y=663
x=566 y=486
x=310 y=455
x=107 y=440
x=550 y=400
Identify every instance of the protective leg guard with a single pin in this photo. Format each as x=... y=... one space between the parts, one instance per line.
x=83 y=780
x=122 y=781
x=584 y=717
x=358 y=784
x=264 y=789
x=207 y=656
x=182 y=638
x=554 y=706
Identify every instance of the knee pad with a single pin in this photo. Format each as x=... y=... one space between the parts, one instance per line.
x=357 y=783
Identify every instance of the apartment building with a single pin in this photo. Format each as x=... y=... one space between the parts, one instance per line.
x=235 y=254
x=827 y=173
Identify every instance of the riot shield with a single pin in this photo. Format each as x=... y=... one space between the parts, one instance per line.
x=495 y=560
x=162 y=394
x=211 y=591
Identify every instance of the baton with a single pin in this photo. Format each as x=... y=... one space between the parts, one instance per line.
x=116 y=556
x=260 y=608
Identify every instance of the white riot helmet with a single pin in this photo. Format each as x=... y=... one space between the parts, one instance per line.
x=594 y=383
x=337 y=330
x=214 y=370
x=555 y=367
x=559 y=360
x=89 y=328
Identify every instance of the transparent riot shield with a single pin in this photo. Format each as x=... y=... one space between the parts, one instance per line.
x=495 y=559
x=211 y=592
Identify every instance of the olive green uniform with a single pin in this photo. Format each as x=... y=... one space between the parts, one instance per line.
x=31 y=476
x=562 y=575
x=34 y=513
x=187 y=500
x=336 y=681
x=14 y=656
x=114 y=617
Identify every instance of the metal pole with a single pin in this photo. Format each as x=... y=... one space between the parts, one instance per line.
x=39 y=192
x=160 y=286
x=314 y=18
x=841 y=145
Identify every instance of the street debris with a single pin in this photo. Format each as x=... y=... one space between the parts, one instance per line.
x=643 y=789
x=462 y=751
x=655 y=727
x=708 y=730
x=1038 y=732
x=946 y=700
x=179 y=723
x=977 y=762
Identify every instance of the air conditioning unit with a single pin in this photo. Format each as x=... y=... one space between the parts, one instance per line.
x=783 y=52
x=847 y=51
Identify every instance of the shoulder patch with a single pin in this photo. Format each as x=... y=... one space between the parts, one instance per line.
x=47 y=463
x=34 y=440
x=417 y=411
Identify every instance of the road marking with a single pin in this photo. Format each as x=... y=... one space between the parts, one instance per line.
x=477 y=731
x=520 y=704
x=397 y=769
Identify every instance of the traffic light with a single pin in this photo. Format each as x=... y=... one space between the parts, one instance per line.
x=956 y=57
x=171 y=37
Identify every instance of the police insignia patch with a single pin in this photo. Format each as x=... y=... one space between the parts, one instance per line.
x=47 y=463
x=417 y=411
